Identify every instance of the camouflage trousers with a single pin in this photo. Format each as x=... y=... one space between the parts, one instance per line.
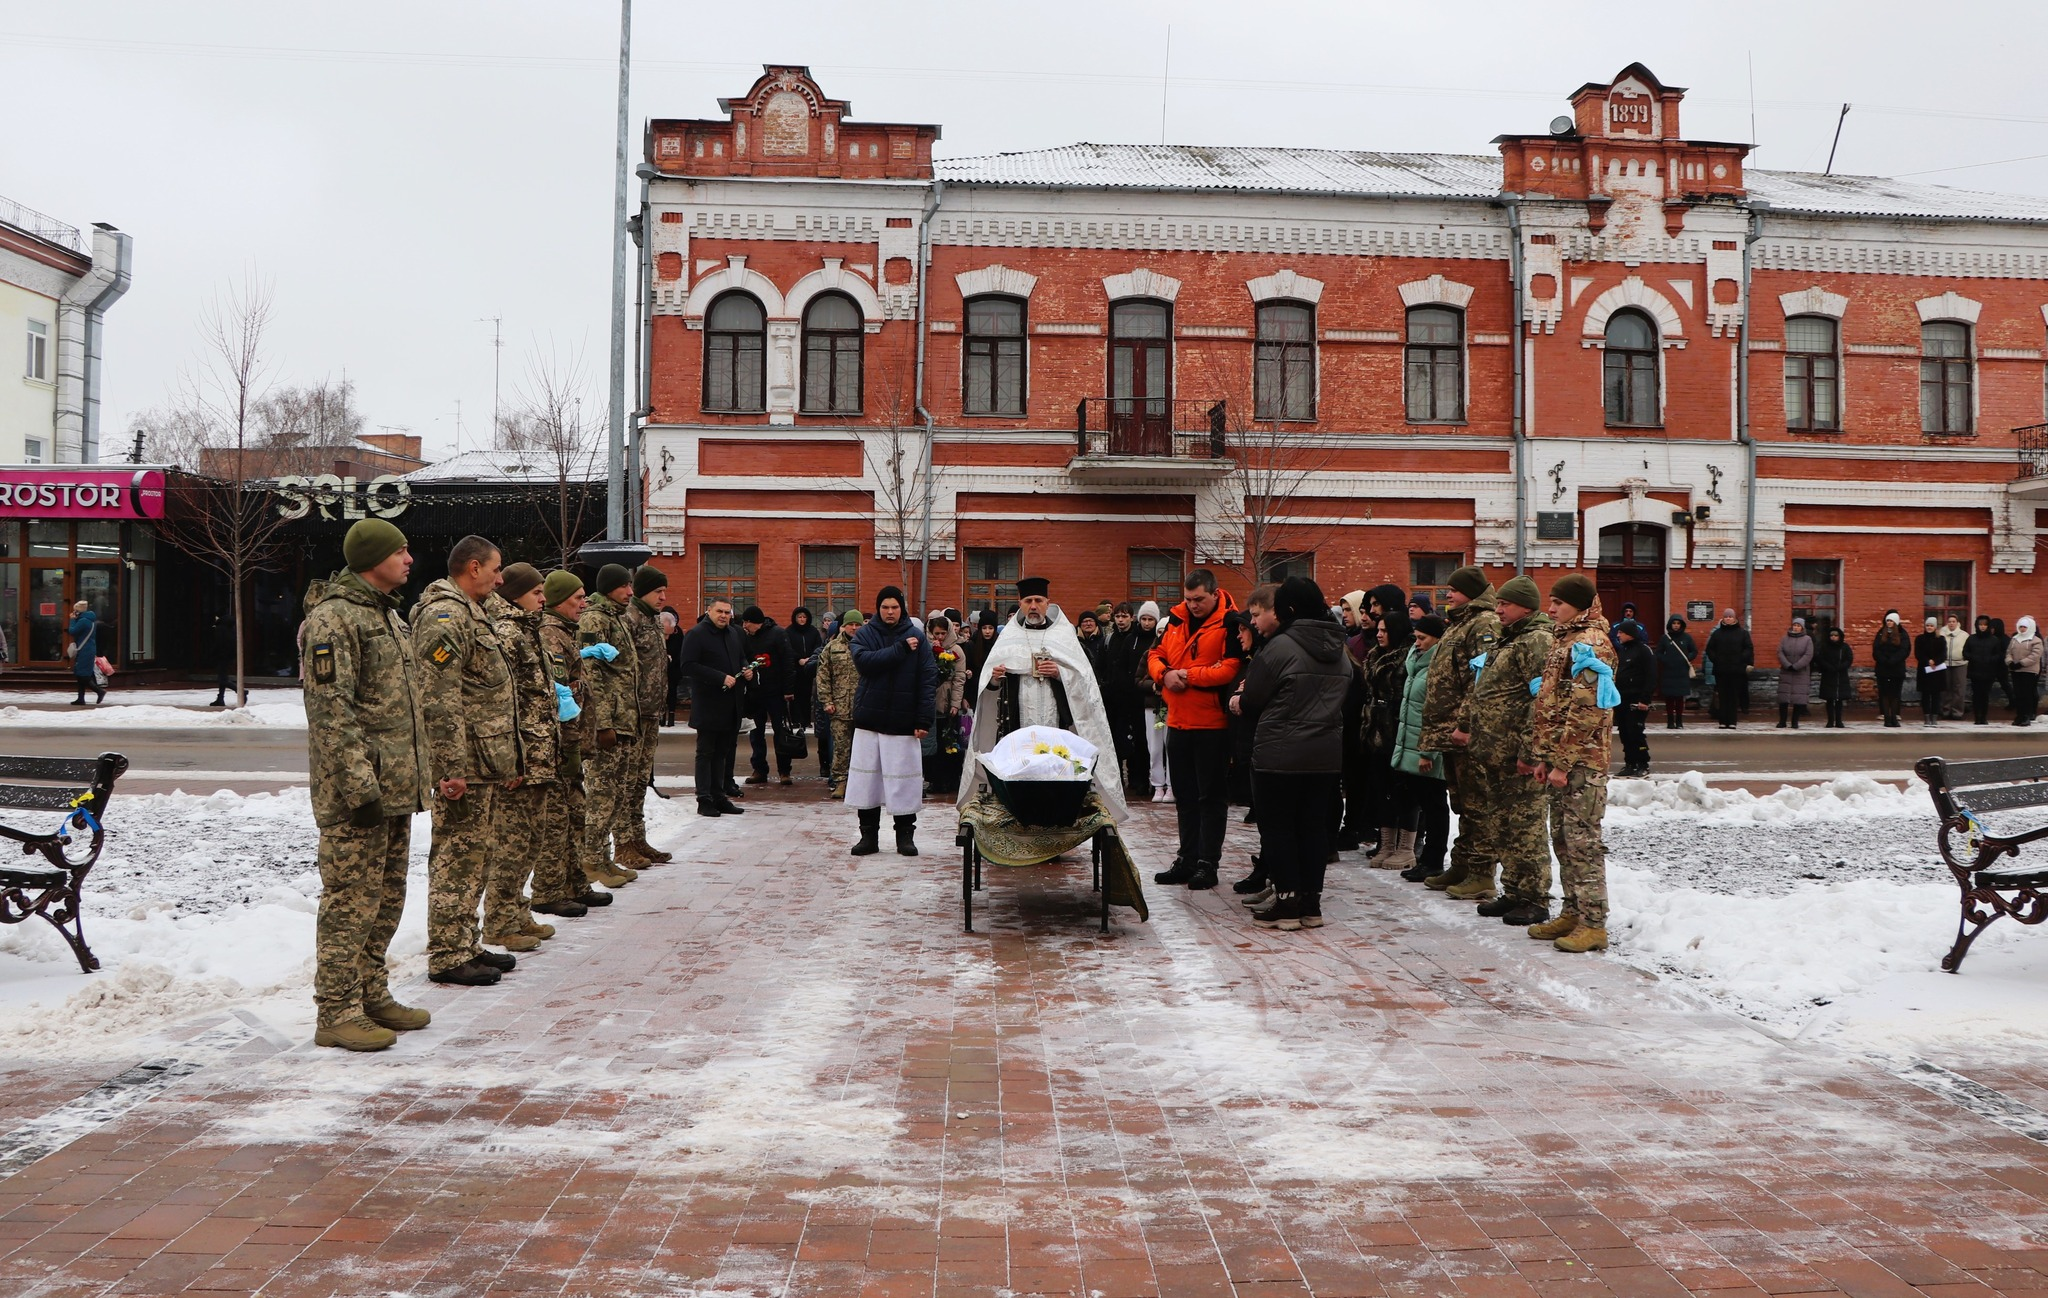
x=606 y=776
x=456 y=870
x=632 y=827
x=362 y=894
x=842 y=750
x=1575 y=814
x=1519 y=838
x=521 y=850
x=1477 y=799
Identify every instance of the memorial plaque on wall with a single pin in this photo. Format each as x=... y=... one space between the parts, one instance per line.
x=1699 y=610
x=1556 y=525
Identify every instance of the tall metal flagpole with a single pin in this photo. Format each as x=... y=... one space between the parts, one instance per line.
x=615 y=451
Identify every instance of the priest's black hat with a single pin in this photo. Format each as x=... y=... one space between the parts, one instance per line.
x=1030 y=586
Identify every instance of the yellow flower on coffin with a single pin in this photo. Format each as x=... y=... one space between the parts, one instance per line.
x=1041 y=748
x=1061 y=750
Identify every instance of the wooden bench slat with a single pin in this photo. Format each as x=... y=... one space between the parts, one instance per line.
x=77 y=770
x=2002 y=797
x=1991 y=770
x=39 y=797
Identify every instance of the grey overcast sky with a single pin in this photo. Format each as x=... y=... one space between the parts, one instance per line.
x=400 y=171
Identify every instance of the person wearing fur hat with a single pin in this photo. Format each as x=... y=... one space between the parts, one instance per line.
x=611 y=672
x=1571 y=736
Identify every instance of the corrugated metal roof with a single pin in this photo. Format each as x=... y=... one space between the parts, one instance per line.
x=503 y=466
x=1362 y=173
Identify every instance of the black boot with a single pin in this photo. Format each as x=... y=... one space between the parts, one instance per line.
x=1203 y=878
x=1499 y=906
x=870 y=832
x=1255 y=882
x=1181 y=872
x=220 y=700
x=1419 y=871
x=906 y=835
x=707 y=807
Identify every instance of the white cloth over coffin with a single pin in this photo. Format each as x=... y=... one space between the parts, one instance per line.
x=1013 y=650
x=885 y=771
x=1015 y=758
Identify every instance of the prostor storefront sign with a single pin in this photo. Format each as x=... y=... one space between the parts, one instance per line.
x=81 y=493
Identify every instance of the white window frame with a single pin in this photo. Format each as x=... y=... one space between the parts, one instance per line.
x=36 y=361
x=32 y=450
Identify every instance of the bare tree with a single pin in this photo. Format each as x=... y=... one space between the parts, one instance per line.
x=893 y=457
x=1272 y=467
x=547 y=422
x=227 y=518
x=314 y=415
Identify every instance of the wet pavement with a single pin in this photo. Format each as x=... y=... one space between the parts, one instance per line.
x=772 y=1068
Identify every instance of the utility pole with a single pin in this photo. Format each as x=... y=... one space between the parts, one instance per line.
x=497 y=324
x=615 y=451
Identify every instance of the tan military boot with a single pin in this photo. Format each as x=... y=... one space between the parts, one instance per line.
x=629 y=855
x=611 y=878
x=652 y=853
x=388 y=1013
x=1582 y=939
x=1397 y=850
x=1478 y=887
x=512 y=941
x=534 y=928
x=1555 y=929
x=1450 y=878
x=357 y=1033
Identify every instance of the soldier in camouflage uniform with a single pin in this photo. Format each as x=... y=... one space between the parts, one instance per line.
x=368 y=758
x=611 y=675
x=1495 y=720
x=1570 y=744
x=572 y=891
x=1470 y=629
x=473 y=741
x=520 y=807
x=836 y=681
x=650 y=650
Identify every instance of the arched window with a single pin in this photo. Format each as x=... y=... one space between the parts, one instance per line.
x=832 y=344
x=1436 y=365
x=1945 y=377
x=1812 y=374
x=735 y=341
x=992 y=367
x=1630 y=371
x=1284 y=367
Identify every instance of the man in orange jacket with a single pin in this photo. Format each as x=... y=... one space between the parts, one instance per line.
x=1195 y=665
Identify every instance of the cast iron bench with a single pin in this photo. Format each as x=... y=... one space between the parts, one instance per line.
x=77 y=789
x=1965 y=792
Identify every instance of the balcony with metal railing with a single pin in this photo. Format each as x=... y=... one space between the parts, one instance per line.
x=47 y=228
x=1118 y=437
x=2031 y=444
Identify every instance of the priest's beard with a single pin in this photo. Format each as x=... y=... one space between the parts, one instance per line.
x=1037 y=624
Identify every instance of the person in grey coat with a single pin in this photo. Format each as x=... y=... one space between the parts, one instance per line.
x=1295 y=690
x=1795 y=673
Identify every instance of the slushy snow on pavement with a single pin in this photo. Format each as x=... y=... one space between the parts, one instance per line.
x=1819 y=911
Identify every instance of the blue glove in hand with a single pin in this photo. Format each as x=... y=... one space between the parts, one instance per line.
x=1535 y=686
x=1585 y=660
x=1478 y=666
x=566 y=707
x=601 y=652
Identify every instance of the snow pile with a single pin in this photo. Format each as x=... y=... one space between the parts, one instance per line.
x=197 y=902
x=284 y=709
x=1847 y=797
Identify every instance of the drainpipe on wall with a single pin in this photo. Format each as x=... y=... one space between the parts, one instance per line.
x=79 y=346
x=924 y=474
x=1514 y=205
x=1755 y=232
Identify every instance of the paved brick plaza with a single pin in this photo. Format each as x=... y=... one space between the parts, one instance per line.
x=767 y=1071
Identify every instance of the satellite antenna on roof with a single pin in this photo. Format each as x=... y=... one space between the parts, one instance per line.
x=1562 y=125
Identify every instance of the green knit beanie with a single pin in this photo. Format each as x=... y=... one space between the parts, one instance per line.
x=1469 y=582
x=1575 y=589
x=560 y=585
x=647 y=580
x=370 y=542
x=611 y=577
x=1521 y=591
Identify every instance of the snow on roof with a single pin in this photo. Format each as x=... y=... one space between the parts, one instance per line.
x=500 y=466
x=1433 y=175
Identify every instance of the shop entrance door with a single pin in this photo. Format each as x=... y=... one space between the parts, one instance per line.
x=49 y=612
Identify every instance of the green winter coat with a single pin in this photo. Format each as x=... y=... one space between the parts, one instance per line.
x=613 y=687
x=1408 y=749
x=366 y=737
x=466 y=688
x=533 y=687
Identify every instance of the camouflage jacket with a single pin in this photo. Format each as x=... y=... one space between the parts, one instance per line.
x=465 y=688
x=1568 y=727
x=837 y=677
x=558 y=639
x=366 y=738
x=1496 y=709
x=533 y=686
x=1470 y=630
x=650 y=648
x=613 y=702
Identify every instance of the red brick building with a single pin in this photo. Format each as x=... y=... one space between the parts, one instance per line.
x=1602 y=346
